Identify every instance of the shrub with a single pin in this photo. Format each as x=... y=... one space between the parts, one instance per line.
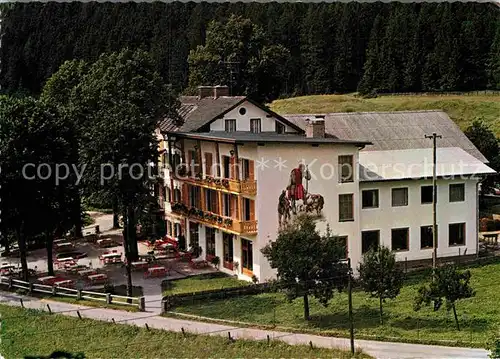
x=216 y=261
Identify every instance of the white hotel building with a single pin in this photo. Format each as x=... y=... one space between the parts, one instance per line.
x=231 y=201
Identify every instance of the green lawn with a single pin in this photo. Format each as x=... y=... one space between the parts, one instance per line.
x=479 y=316
x=30 y=332
x=203 y=282
x=462 y=109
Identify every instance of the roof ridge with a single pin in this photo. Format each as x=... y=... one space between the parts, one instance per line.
x=361 y=112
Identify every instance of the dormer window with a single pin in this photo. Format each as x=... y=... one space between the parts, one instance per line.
x=230 y=125
x=255 y=125
x=280 y=128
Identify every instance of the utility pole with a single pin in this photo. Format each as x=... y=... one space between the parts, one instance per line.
x=434 y=136
x=351 y=319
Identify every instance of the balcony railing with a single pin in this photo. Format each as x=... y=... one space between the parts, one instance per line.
x=215 y=220
x=248 y=187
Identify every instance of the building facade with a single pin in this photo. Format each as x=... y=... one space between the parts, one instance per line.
x=237 y=172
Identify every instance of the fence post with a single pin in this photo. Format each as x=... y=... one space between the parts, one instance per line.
x=108 y=298
x=31 y=287
x=54 y=290
x=11 y=282
x=142 y=304
x=79 y=294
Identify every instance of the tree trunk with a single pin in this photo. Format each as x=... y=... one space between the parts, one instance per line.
x=116 y=214
x=21 y=241
x=131 y=234
x=77 y=214
x=49 y=241
x=306 y=308
x=456 y=318
x=126 y=247
x=381 y=311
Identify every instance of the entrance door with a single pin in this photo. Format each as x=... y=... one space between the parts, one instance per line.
x=227 y=240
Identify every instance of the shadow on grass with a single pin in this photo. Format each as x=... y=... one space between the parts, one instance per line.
x=364 y=317
x=438 y=324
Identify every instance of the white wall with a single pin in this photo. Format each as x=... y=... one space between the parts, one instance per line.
x=416 y=215
x=322 y=163
x=243 y=121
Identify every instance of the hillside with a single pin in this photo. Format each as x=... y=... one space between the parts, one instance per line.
x=463 y=109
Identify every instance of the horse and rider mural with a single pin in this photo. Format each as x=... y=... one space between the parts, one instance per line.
x=296 y=199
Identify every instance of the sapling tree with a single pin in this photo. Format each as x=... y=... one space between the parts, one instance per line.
x=380 y=276
x=448 y=286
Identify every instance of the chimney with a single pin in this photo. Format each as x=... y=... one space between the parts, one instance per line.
x=220 y=90
x=205 y=91
x=315 y=128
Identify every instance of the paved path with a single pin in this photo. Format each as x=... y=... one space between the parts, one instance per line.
x=380 y=350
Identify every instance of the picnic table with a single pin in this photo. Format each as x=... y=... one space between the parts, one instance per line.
x=139 y=265
x=156 y=271
x=105 y=242
x=49 y=280
x=100 y=278
x=64 y=246
x=64 y=262
x=111 y=258
x=491 y=237
x=86 y=272
x=75 y=268
x=66 y=283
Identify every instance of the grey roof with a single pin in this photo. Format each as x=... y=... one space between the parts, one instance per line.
x=198 y=112
x=418 y=163
x=397 y=130
x=264 y=137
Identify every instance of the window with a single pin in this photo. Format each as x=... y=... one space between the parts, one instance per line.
x=245 y=169
x=194 y=196
x=457 y=192
x=255 y=125
x=177 y=195
x=369 y=240
x=346 y=169
x=456 y=233
x=247 y=256
x=280 y=128
x=193 y=235
x=248 y=208
x=211 y=200
x=227 y=240
x=210 y=240
x=208 y=164
x=177 y=230
x=194 y=162
x=399 y=197
x=176 y=161
x=243 y=111
x=168 y=194
x=230 y=125
x=370 y=198
x=226 y=205
x=168 y=224
x=426 y=194
x=342 y=242
x=346 y=212
x=426 y=239
x=226 y=163
x=399 y=239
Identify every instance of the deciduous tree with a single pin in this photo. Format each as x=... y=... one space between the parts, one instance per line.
x=308 y=263
x=448 y=286
x=380 y=276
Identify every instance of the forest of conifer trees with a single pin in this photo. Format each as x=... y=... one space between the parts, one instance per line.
x=334 y=48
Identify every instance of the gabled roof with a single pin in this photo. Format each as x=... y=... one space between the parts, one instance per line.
x=199 y=112
x=451 y=162
x=397 y=130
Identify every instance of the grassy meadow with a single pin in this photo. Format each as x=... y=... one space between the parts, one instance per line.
x=35 y=333
x=463 y=109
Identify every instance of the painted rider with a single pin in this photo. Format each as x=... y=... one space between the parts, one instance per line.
x=295 y=187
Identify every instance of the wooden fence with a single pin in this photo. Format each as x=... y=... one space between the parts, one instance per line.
x=171 y=301
x=78 y=294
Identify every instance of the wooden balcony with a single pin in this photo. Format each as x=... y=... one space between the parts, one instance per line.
x=248 y=187
x=212 y=219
